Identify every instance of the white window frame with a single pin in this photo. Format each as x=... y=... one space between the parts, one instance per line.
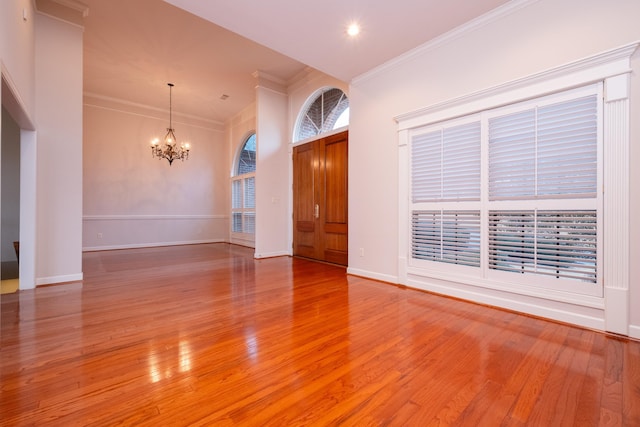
x=612 y=68
x=484 y=205
x=243 y=238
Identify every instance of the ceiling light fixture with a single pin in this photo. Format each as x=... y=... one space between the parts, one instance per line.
x=168 y=148
x=353 y=29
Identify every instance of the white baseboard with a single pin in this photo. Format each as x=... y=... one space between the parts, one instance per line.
x=149 y=245
x=271 y=254
x=582 y=316
x=373 y=275
x=634 y=331
x=59 y=279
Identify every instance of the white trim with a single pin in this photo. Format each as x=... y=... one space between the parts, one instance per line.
x=320 y=136
x=95 y=100
x=373 y=275
x=150 y=217
x=634 y=331
x=616 y=204
x=150 y=245
x=578 y=73
x=59 y=279
x=458 y=32
x=617 y=310
x=527 y=289
x=271 y=254
x=589 y=318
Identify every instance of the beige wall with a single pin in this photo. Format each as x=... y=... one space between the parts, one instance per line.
x=132 y=199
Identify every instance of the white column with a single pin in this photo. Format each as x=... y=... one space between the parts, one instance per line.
x=404 y=181
x=616 y=204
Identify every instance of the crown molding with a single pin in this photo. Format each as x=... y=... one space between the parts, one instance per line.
x=129 y=107
x=481 y=21
x=269 y=81
x=584 y=71
x=71 y=11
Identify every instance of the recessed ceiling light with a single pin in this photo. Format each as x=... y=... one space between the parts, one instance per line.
x=353 y=29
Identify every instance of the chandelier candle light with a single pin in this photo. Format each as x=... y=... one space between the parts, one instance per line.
x=168 y=148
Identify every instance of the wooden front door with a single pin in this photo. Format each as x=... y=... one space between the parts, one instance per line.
x=320 y=199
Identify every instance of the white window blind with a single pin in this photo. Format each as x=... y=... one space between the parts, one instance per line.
x=250 y=192
x=561 y=244
x=445 y=164
x=544 y=152
x=243 y=203
x=446 y=236
x=236 y=194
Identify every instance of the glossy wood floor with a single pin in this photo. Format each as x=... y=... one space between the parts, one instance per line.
x=204 y=335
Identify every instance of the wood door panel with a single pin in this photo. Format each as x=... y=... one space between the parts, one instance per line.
x=320 y=190
x=308 y=226
x=303 y=183
x=335 y=228
x=335 y=176
x=336 y=257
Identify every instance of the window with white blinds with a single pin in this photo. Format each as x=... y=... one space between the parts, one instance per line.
x=512 y=191
x=560 y=244
x=243 y=204
x=446 y=236
x=543 y=152
x=445 y=164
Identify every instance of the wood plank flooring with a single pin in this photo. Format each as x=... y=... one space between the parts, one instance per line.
x=204 y=335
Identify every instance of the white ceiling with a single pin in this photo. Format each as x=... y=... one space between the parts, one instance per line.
x=133 y=48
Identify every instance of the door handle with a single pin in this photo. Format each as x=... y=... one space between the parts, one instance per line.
x=317 y=211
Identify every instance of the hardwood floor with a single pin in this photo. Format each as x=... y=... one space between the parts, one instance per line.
x=204 y=335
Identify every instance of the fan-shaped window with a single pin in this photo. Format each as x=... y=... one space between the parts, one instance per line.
x=247 y=158
x=329 y=110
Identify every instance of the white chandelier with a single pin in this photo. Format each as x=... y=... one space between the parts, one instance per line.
x=168 y=148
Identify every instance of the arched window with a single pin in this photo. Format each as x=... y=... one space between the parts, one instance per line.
x=328 y=110
x=243 y=194
x=247 y=157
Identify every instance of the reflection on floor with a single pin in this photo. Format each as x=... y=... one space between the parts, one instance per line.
x=9 y=286
x=9 y=275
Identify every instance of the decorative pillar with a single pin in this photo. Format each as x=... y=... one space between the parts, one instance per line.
x=616 y=204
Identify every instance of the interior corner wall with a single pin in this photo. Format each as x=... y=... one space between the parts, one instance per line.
x=58 y=114
x=529 y=38
x=132 y=199
x=273 y=229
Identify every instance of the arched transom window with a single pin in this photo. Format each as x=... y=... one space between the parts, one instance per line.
x=326 y=111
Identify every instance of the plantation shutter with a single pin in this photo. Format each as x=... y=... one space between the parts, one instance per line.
x=561 y=244
x=545 y=152
x=236 y=205
x=567 y=148
x=445 y=164
x=446 y=236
